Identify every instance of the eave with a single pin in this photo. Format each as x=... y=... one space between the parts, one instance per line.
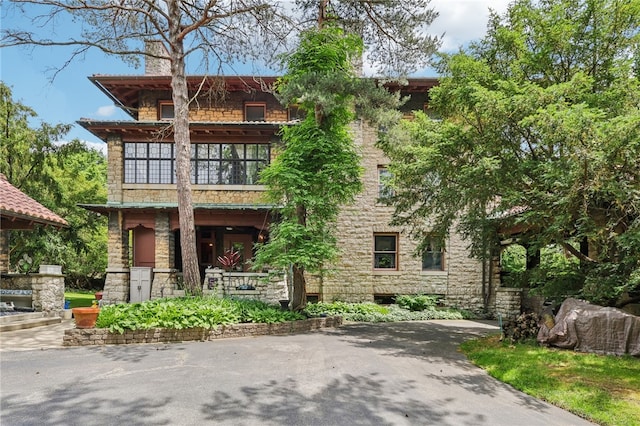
x=199 y=131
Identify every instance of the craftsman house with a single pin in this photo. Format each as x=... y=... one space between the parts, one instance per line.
x=234 y=123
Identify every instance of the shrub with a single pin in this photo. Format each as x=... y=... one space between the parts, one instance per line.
x=189 y=312
x=370 y=312
x=417 y=303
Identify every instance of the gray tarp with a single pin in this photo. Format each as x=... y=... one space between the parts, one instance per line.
x=584 y=327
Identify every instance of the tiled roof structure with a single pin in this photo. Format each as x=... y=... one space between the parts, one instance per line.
x=19 y=211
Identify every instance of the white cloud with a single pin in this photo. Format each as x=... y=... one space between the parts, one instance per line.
x=106 y=111
x=463 y=21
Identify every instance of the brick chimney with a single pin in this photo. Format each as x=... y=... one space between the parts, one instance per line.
x=153 y=65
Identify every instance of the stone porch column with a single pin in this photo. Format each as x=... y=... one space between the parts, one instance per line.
x=116 y=286
x=4 y=251
x=164 y=277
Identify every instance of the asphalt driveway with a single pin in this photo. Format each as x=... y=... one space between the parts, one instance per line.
x=360 y=374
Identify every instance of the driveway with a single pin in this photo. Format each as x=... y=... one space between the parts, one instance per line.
x=360 y=374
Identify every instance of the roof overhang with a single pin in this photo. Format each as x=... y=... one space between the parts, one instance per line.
x=199 y=131
x=124 y=89
x=173 y=207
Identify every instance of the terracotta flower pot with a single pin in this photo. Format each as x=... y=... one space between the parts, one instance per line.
x=85 y=317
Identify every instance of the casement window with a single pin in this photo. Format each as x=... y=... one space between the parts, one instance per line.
x=385 y=251
x=433 y=255
x=166 y=110
x=211 y=163
x=384 y=189
x=255 y=111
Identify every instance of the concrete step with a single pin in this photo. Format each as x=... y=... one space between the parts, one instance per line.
x=28 y=321
x=13 y=317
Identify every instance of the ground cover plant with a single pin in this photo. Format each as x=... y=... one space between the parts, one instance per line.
x=603 y=389
x=407 y=309
x=190 y=312
x=78 y=299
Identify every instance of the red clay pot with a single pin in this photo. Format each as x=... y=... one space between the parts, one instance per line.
x=85 y=317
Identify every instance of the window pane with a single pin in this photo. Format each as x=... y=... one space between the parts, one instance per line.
x=252 y=151
x=214 y=171
x=203 y=151
x=165 y=171
x=154 y=150
x=263 y=152
x=141 y=150
x=214 y=151
x=129 y=171
x=129 y=150
x=385 y=261
x=203 y=172
x=432 y=261
x=154 y=171
x=166 y=111
x=141 y=171
x=385 y=243
x=166 y=151
x=254 y=112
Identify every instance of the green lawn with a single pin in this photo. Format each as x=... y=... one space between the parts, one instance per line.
x=602 y=389
x=79 y=299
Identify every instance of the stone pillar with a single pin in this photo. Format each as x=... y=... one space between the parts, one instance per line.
x=164 y=277
x=116 y=286
x=115 y=177
x=48 y=293
x=4 y=251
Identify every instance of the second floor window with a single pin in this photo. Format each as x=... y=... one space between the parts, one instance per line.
x=211 y=163
x=384 y=189
x=166 y=110
x=255 y=111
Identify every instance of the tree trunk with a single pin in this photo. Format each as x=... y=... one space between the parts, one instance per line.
x=299 y=298
x=190 y=269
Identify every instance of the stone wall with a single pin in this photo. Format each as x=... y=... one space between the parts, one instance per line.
x=508 y=302
x=157 y=193
x=353 y=278
x=100 y=336
x=47 y=291
x=228 y=107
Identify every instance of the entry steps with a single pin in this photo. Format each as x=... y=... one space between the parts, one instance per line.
x=26 y=320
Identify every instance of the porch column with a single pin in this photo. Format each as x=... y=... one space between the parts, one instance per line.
x=4 y=251
x=164 y=277
x=116 y=286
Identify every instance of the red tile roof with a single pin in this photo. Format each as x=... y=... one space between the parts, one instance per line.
x=15 y=205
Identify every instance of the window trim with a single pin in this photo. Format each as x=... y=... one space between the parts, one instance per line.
x=162 y=104
x=256 y=104
x=396 y=252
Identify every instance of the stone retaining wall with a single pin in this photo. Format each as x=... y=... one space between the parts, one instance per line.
x=102 y=336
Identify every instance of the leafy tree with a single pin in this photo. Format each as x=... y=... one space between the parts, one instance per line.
x=318 y=169
x=538 y=127
x=394 y=32
x=59 y=176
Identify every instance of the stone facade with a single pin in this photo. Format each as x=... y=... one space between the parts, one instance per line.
x=464 y=282
x=101 y=336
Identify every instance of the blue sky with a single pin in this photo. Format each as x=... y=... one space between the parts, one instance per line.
x=71 y=96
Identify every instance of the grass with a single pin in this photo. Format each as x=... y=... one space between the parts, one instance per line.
x=602 y=389
x=79 y=299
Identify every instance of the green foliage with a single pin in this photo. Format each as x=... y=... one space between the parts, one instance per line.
x=59 y=176
x=189 y=312
x=513 y=258
x=602 y=389
x=371 y=312
x=540 y=118
x=417 y=303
